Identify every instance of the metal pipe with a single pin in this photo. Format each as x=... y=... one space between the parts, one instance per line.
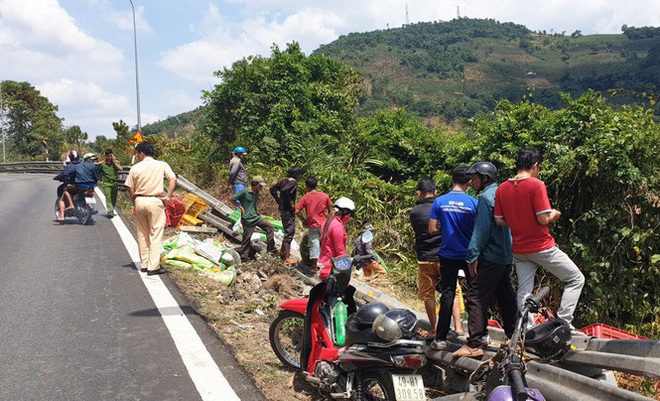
x=137 y=77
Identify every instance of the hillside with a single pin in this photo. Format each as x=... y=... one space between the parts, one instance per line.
x=463 y=67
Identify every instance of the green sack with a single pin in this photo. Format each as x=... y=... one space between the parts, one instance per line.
x=187 y=254
x=276 y=223
x=225 y=277
x=235 y=216
x=178 y=263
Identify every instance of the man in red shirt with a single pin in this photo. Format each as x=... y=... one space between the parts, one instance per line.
x=522 y=203
x=334 y=234
x=318 y=211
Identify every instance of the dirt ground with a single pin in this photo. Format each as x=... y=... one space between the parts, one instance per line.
x=241 y=315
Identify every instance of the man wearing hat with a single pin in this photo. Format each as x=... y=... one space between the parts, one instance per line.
x=237 y=174
x=246 y=200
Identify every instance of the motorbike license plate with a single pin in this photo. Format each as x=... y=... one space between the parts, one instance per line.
x=409 y=388
x=90 y=200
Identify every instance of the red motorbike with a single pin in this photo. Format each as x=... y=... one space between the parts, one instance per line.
x=368 y=353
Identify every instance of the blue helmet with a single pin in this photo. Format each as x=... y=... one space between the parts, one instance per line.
x=239 y=149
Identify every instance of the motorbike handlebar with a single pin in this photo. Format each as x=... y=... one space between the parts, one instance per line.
x=533 y=303
x=518 y=384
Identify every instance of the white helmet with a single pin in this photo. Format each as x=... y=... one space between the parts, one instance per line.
x=345 y=203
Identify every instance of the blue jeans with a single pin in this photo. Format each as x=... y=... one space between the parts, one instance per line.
x=238 y=188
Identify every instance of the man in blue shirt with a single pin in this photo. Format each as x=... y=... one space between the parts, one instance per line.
x=489 y=259
x=453 y=215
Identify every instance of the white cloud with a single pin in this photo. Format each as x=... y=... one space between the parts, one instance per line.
x=100 y=107
x=124 y=20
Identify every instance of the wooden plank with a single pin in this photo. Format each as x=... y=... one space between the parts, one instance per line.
x=222 y=225
x=199 y=229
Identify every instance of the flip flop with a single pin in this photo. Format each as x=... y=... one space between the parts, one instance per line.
x=58 y=220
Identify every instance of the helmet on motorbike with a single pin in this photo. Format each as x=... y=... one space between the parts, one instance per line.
x=73 y=155
x=366 y=315
x=239 y=150
x=345 y=203
x=549 y=340
x=483 y=168
x=89 y=156
x=395 y=324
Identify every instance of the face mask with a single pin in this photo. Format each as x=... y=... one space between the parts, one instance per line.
x=345 y=218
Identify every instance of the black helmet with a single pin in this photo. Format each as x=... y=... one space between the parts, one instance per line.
x=549 y=340
x=366 y=315
x=395 y=324
x=73 y=155
x=483 y=168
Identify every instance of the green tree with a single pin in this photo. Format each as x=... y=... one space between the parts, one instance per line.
x=270 y=105
x=601 y=171
x=30 y=119
x=74 y=135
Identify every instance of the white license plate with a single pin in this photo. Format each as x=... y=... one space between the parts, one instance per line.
x=90 y=200
x=409 y=388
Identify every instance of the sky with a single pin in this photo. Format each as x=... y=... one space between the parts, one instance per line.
x=80 y=54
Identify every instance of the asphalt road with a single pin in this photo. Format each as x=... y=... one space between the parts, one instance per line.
x=76 y=319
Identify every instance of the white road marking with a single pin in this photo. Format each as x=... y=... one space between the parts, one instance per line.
x=204 y=372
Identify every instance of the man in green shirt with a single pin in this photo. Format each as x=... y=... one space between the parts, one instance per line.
x=109 y=173
x=246 y=200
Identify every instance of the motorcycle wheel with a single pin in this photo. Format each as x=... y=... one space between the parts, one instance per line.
x=375 y=386
x=83 y=211
x=57 y=209
x=286 y=337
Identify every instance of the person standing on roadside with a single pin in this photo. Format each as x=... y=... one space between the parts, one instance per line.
x=285 y=193
x=237 y=173
x=246 y=200
x=452 y=214
x=427 y=247
x=335 y=235
x=318 y=212
x=489 y=260
x=109 y=173
x=522 y=204
x=145 y=183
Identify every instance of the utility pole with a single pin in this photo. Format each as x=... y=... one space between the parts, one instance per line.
x=458 y=12
x=2 y=126
x=407 y=20
x=137 y=79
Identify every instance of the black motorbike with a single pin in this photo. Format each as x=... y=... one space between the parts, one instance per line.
x=83 y=210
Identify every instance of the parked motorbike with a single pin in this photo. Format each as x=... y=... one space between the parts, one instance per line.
x=370 y=355
x=83 y=200
x=502 y=377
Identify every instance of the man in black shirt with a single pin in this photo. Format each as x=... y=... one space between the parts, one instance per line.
x=285 y=193
x=426 y=247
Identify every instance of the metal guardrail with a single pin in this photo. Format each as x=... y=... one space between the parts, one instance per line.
x=216 y=217
x=570 y=380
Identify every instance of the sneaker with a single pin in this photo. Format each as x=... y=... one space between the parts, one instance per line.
x=438 y=345
x=468 y=352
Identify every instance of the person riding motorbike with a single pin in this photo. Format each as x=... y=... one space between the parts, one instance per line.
x=77 y=175
x=334 y=243
x=67 y=178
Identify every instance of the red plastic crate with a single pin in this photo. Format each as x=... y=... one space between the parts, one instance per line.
x=602 y=330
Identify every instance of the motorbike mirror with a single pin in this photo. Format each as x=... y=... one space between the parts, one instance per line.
x=367 y=236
